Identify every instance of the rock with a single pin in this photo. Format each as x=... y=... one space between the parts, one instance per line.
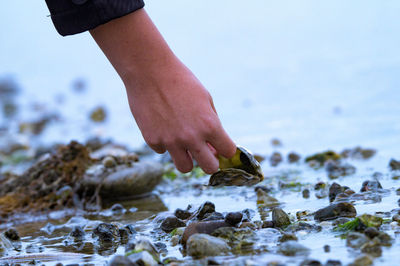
x=126 y=182
x=144 y=244
x=182 y=214
x=142 y=258
x=12 y=234
x=384 y=239
x=77 y=233
x=275 y=159
x=292 y=248
x=363 y=260
x=233 y=218
x=106 y=232
x=207 y=227
x=369 y=220
x=333 y=211
x=302 y=226
x=170 y=223
x=394 y=165
x=203 y=245
x=120 y=260
x=371 y=232
x=288 y=237
x=336 y=169
x=213 y=216
x=322 y=157
x=98 y=114
x=306 y=193
x=280 y=218
x=371 y=185
x=206 y=207
x=372 y=248
x=267 y=224
x=356 y=240
x=239 y=239
x=333 y=263
x=327 y=248
x=293 y=157
x=358 y=153
x=310 y=262
x=334 y=190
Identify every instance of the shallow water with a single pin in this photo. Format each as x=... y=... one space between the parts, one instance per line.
x=316 y=75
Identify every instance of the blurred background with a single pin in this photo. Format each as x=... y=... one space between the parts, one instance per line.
x=313 y=74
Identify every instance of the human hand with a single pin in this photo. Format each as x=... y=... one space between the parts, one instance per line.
x=175 y=113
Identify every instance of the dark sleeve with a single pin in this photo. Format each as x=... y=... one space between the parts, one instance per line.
x=75 y=16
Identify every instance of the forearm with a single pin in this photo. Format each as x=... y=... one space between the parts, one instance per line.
x=134 y=46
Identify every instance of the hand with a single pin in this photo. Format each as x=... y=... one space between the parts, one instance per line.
x=174 y=112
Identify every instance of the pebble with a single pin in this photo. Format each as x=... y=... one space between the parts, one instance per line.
x=394 y=164
x=370 y=185
x=206 y=207
x=310 y=262
x=170 y=223
x=363 y=260
x=204 y=227
x=292 y=248
x=213 y=216
x=293 y=157
x=109 y=162
x=77 y=233
x=306 y=193
x=356 y=240
x=275 y=159
x=203 y=245
x=117 y=209
x=327 y=248
x=233 y=218
x=182 y=214
x=287 y=237
x=371 y=232
x=12 y=234
x=280 y=218
x=106 y=232
x=334 y=190
x=341 y=209
x=333 y=263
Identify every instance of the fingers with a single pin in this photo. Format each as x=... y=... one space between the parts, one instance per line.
x=182 y=160
x=222 y=143
x=205 y=158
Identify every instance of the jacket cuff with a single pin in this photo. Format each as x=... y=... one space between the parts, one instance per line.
x=76 y=16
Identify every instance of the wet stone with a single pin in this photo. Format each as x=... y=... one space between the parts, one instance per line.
x=302 y=226
x=267 y=224
x=371 y=232
x=327 y=248
x=333 y=263
x=286 y=237
x=333 y=211
x=306 y=193
x=233 y=218
x=372 y=248
x=106 y=232
x=334 y=190
x=203 y=245
x=206 y=207
x=182 y=214
x=275 y=159
x=280 y=218
x=204 y=227
x=248 y=214
x=170 y=223
x=293 y=157
x=144 y=244
x=363 y=260
x=292 y=248
x=142 y=258
x=310 y=262
x=213 y=216
x=336 y=169
x=356 y=240
x=12 y=234
x=266 y=200
x=77 y=232
x=394 y=165
x=370 y=185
